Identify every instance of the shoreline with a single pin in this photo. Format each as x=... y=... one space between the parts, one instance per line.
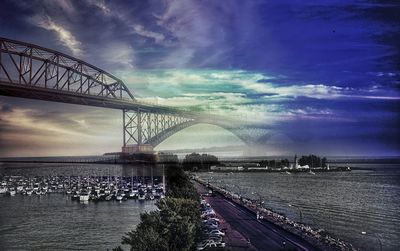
x=316 y=237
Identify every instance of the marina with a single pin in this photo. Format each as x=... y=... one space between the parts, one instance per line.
x=85 y=189
x=47 y=202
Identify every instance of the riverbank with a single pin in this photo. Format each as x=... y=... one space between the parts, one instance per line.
x=316 y=238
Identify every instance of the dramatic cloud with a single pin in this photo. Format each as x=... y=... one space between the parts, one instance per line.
x=318 y=76
x=63 y=34
x=33 y=131
x=118 y=54
x=140 y=30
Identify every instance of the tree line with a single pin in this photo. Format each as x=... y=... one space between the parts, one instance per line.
x=198 y=162
x=275 y=163
x=313 y=161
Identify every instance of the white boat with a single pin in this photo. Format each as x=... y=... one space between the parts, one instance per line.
x=132 y=195
x=311 y=172
x=119 y=197
x=3 y=190
x=84 y=196
x=11 y=192
x=20 y=188
x=142 y=196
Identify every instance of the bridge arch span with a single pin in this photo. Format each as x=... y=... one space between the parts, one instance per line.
x=161 y=137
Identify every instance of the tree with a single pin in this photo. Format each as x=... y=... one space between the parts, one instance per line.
x=179 y=184
x=182 y=222
x=176 y=223
x=202 y=162
x=284 y=163
x=312 y=161
x=323 y=162
x=148 y=234
x=175 y=226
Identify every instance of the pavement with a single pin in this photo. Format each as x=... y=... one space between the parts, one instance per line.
x=245 y=232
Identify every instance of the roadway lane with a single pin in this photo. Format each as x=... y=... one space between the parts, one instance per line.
x=262 y=234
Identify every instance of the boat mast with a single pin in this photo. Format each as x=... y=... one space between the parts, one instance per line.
x=132 y=179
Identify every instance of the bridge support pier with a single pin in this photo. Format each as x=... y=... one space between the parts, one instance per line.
x=135 y=148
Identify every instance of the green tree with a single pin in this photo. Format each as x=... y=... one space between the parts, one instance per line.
x=176 y=223
x=181 y=218
x=312 y=161
x=175 y=226
x=202 y=162
x=179 y=184
x=323 y=162
x=148 y=234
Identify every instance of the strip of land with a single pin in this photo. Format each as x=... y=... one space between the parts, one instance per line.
x=261 y=234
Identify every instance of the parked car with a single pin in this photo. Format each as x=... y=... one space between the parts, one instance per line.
x=216 y=232
x=213 y=218
x=210 y=244
x=214 y=238
x=211 y=221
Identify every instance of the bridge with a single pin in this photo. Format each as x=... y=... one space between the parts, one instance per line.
x=34 y=72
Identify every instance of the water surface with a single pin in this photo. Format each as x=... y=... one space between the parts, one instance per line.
x=343 y=203
x=54 y=222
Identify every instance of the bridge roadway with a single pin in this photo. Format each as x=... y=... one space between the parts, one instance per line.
x=47 y=94
x=262 y=234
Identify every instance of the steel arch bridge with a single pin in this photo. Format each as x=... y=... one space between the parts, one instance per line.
x=34 y=72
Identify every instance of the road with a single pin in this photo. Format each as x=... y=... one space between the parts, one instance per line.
x=262 y=234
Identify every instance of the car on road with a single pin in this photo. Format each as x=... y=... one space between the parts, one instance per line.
x=210 y=244
x=215 y=238
x=211 y=221
x=210 y=224
x=216 y=232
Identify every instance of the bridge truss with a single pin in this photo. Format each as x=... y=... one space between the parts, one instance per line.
x=34 y=72
x=37 y=70
x=143 y=127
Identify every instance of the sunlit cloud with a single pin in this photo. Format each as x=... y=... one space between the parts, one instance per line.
x=140 y=30
x=194 y=82
x=35 y=131
x=101 y=5
x=118 y=54
x=63 y=34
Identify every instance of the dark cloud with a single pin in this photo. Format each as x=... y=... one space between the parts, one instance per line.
x=350 y=45
x=5 y=108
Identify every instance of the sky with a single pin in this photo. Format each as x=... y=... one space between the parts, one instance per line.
x=319 y=77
